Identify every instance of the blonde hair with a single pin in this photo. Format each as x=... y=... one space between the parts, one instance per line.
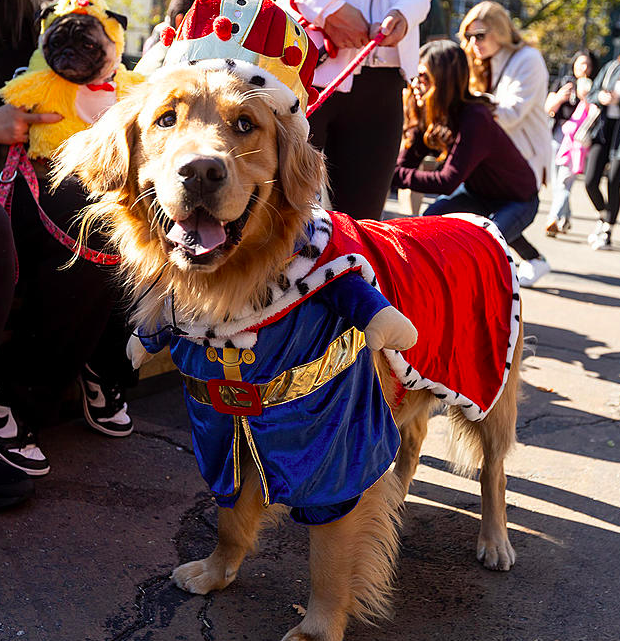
x=497 y=20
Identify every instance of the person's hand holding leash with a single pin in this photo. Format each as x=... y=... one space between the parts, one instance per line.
x=15 y=123
x=394 y=28
x=347 y=28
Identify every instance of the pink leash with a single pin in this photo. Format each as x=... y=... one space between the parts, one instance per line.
x=17 y=162
x=331 y=87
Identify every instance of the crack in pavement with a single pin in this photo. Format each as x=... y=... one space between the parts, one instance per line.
x=525 y=424
x=166 y=439
x=157 y=598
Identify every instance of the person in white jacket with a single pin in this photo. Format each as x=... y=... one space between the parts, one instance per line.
x=516 y=77
x=359 y=128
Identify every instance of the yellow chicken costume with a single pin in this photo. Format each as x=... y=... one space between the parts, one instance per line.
x=41 y=90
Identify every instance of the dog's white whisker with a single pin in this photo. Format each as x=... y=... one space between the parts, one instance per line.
x=247 y=153
x=143 y=195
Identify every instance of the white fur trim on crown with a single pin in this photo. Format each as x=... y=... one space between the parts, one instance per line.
x=273 y=91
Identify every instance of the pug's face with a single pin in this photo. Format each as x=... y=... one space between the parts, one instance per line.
x=78 y=49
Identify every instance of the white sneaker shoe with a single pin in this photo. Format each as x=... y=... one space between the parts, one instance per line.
x=531 y=270
x=593 y=237
x=602 y=240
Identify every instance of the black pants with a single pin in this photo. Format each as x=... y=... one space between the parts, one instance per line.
x=7 y=268
x=360 y=133
x=597 y=159
x=63 y=319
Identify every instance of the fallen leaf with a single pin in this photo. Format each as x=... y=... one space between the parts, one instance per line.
x=299 y=609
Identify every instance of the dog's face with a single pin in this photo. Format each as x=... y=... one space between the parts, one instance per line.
x=77 y=48
x=208 y=156
x=197 y=173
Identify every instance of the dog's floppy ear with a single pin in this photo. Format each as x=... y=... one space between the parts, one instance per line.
x=121 y=19
x=301 y=166
x=44 y=11
x=99 y=156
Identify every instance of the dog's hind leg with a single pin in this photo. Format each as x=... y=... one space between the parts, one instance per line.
x=352 y=564
x=238 y=529
x=491 y=439
x=412 y=419
x=411 y=416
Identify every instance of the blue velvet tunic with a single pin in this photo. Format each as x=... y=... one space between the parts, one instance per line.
x=319 y=450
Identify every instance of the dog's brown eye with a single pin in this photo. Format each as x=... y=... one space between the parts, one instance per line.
x=244 y=125
x=167 y=120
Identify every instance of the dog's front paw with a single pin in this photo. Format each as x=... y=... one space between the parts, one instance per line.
x=297 y=635
x=495 y=553
x=201 y=577
x=390 y=329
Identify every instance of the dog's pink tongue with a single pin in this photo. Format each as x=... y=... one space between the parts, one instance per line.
x=197 y=234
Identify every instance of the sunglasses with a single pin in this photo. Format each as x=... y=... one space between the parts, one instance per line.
x=479 y=36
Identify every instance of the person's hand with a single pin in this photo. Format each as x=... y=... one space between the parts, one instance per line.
x=443 y=134
x=394 y=27
x=605 y=98
x=347 y=28
x=15 y=123
x=418 y=93
x=564 y=92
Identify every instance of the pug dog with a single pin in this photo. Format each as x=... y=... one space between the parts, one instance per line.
x=75 y=72
x=78 y=49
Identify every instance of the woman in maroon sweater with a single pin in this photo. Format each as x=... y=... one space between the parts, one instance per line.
x=482 y=170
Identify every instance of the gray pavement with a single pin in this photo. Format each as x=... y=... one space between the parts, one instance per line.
x=89 y=558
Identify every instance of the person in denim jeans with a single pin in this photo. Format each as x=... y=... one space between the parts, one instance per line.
x=483 y=172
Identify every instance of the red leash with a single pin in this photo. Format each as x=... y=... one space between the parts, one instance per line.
x=17 y=162
x=331 y=87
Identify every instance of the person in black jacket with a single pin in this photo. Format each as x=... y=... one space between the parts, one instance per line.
x=605 y=93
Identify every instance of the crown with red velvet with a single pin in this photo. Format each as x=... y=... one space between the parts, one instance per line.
x=254 y=39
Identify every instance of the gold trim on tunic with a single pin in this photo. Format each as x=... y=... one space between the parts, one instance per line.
x=294 y=383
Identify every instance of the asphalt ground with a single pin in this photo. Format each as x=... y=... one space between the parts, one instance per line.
x=89 y=558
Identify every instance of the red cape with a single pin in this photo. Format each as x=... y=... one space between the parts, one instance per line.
x=454 y=281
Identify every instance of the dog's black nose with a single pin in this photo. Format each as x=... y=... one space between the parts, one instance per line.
x=202 y=174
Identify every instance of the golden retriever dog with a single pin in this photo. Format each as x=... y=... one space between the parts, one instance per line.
x=260 y=178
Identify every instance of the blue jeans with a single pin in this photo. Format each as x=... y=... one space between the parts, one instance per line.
x=510 y=216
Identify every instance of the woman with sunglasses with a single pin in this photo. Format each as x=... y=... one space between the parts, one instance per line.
x=515 y=76
x=483 y=171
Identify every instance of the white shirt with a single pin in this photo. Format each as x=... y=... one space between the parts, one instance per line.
x=404 y=55
x=519 y=86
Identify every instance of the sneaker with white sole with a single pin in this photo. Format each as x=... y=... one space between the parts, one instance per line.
x=602 y=242
x=104 y=405
x=598 y=229
x=18 y=449
x=564 y=224
x=531 y=270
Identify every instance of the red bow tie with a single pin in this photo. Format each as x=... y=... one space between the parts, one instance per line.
x=106 y=86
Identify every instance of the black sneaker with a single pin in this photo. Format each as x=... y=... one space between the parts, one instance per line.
x=18 y=449
x=105 y=409
x=15 y=486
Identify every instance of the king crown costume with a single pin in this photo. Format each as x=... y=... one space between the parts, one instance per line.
x=41 y=90
x=295 y=378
